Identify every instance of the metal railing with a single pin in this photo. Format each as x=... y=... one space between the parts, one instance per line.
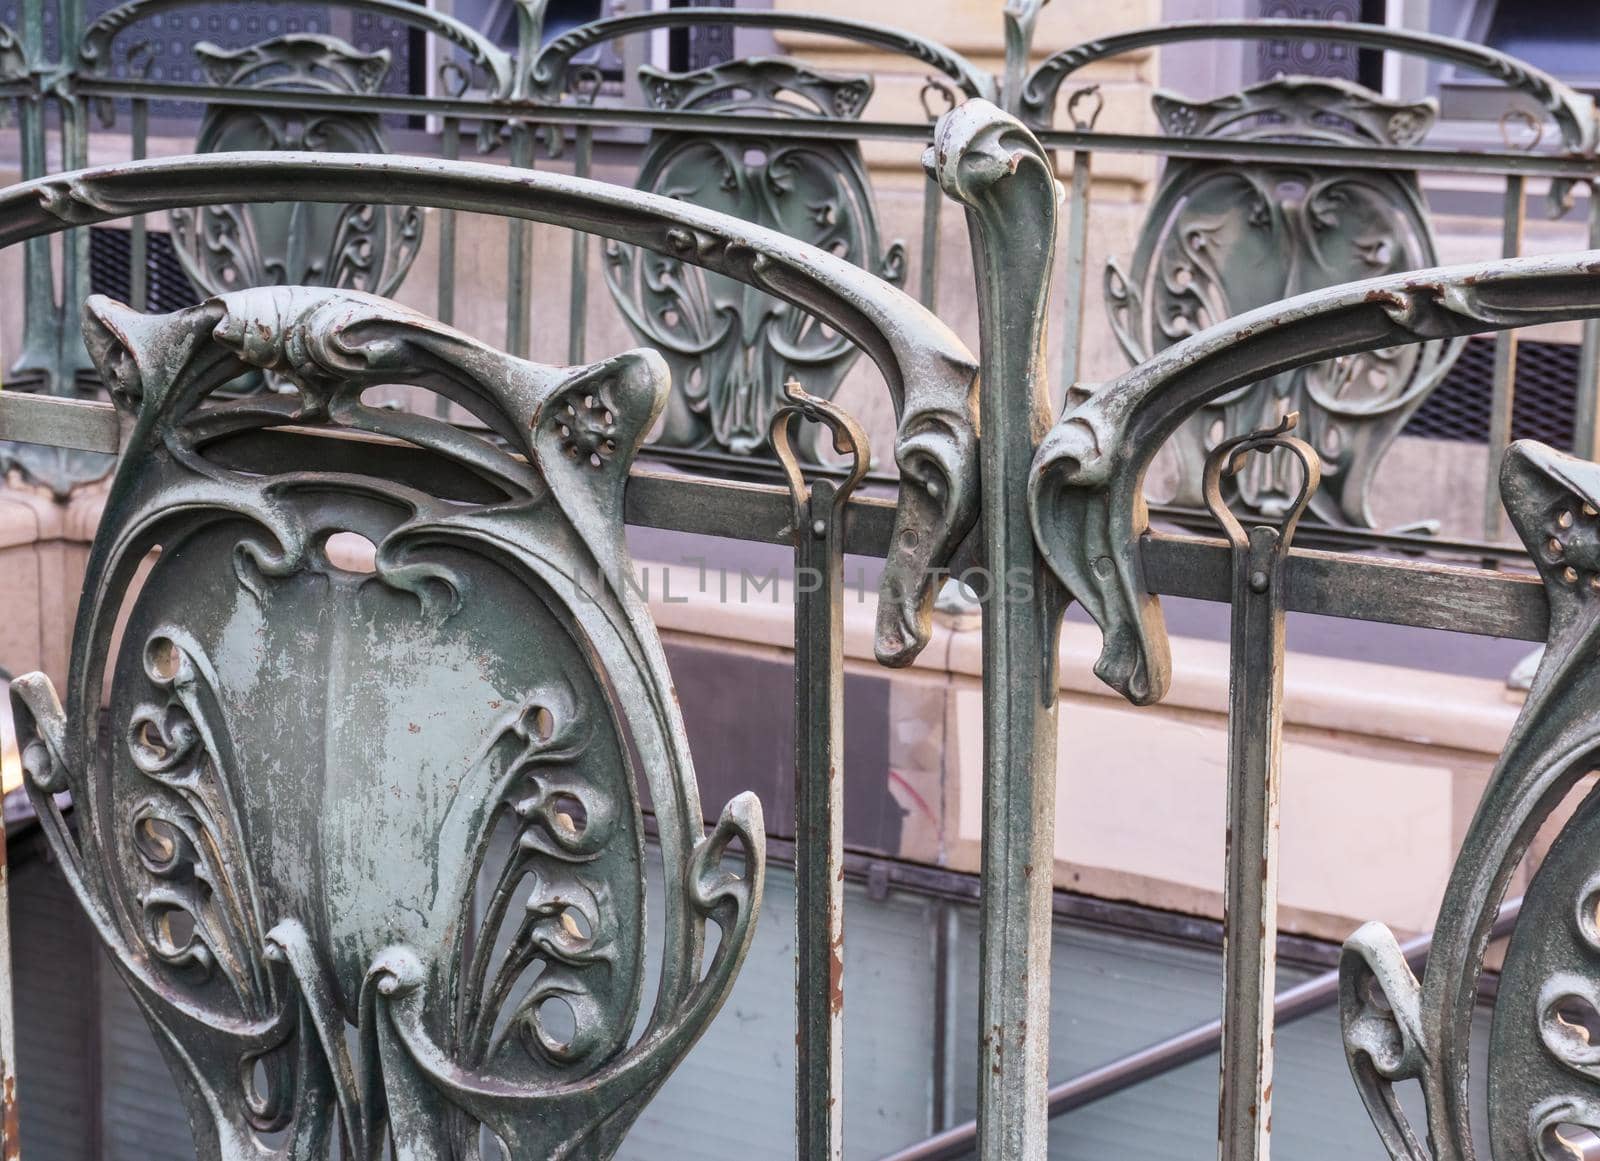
x=543 y=477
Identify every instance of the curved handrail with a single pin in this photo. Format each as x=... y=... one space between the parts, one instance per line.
x=1086 y=488
x=547 y=71
x=94 y=49
x=1572 y=111
x=930 y=373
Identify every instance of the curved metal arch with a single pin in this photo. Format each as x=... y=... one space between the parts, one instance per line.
x=1086 y=487
x=1572 y=111
x=547 y=72
x=94 y=49
x=930 y=373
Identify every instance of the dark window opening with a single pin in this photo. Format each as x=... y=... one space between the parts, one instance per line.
x=1309 y=58
x=167 y=287
x=1542 y=406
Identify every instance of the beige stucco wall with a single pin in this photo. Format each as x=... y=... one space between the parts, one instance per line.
x=1382 y=765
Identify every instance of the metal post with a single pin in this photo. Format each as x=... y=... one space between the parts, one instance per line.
x=519 y=252
x=990 y=163
x=1586 y=423
x=1255 y=723
x=40 y=314
x=1077 y=261
x=932 y=200
x=578 y=304
x=1505 y=369
x=138 y=236
x=818 y=528
x=10 y=1127
x=71 y=357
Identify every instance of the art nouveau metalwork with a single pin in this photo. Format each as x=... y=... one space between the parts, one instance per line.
x=1089 y=517
x=1238 y=226
x=244 y=874
x=243 y=957
x=1250 y=877
x=817 y=529
x=1224 y=238
x=928 y=371
x=360 y=246
x=1541 y=1079
x=1572 y=112
x=985 y=160
x=731 y=347
x=1085 y=496
x=551 y=73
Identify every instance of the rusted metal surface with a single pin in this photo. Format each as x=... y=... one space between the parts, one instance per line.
x=819 y=514
x=10 y=1110
x=1255 y=754
x=255 y=981
x=264 y=891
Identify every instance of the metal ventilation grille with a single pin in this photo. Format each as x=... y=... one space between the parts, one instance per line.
x=1541 y=408
x=167 y=287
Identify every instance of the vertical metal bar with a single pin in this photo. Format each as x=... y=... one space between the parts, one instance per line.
x=1077 y=262
x=1255 y=721
x=946 y=1004
x=991 y=164
x=932 y=204
x=578 y=306
x=1586 y=423
x=519 y=252
x=138 y=238
x=41 y=317
x=818 y=528
x=1505 y=369
x=450 y=148
x=71 y=354
x=10 y=1122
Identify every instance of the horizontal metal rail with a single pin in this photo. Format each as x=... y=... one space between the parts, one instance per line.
x=1296 y=1003
x=1366 y=588
x=487 y=109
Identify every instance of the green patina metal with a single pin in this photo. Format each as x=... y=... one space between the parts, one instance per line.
x=1255 y=715
x=730 y=347
x=478 y=701
x=360 y=247
x=263 y=890
x=818 y=531
x=1220 y=239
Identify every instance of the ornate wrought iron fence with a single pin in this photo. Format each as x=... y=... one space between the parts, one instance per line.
x=195 y=882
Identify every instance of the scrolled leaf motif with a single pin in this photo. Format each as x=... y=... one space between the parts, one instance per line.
x=246 y=877
x=1085 y=491
x=731 y=348
x=1540 y=1071
x=363 y=245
